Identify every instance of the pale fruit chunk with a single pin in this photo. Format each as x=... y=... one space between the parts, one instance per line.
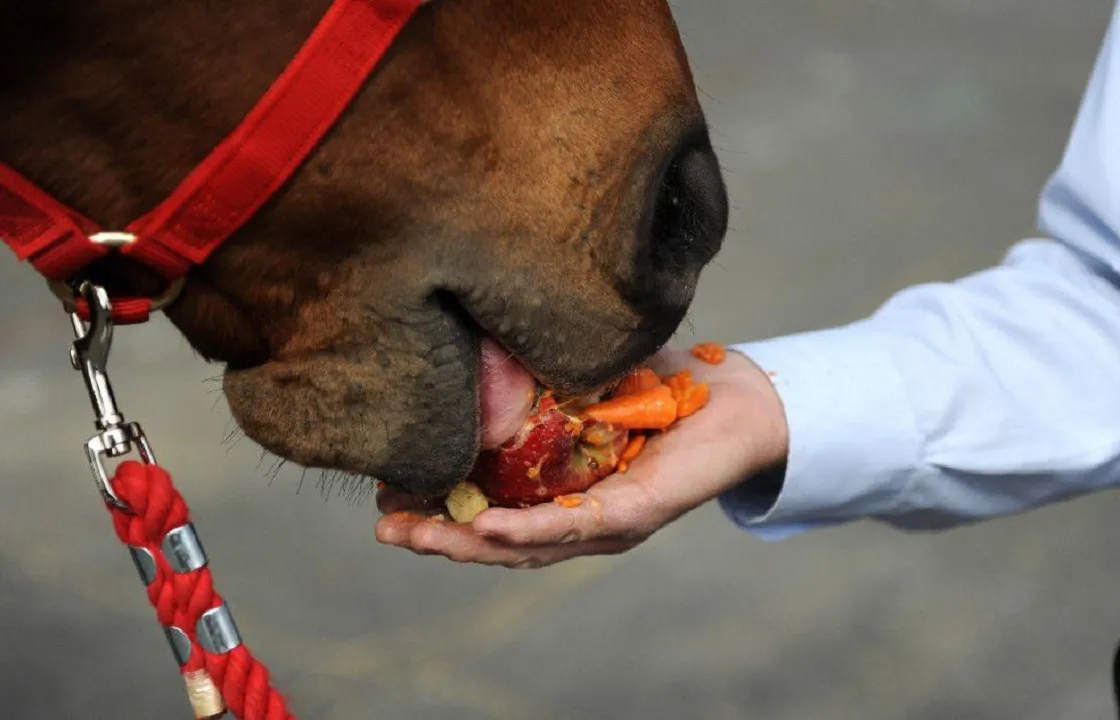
x=465 y=502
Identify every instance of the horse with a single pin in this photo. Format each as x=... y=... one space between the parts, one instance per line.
x=526 y=178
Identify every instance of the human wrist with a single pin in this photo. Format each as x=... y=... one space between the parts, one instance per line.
x=765 y=423
x=853 y=444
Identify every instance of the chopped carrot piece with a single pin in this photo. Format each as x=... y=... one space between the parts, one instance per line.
x=693 y=399
x=640 y=379
x=679 y=383
x=622 y=468
x=568 y=501
x=653 y=409
x=380 y=484
x=633 y=448
x=710 y=352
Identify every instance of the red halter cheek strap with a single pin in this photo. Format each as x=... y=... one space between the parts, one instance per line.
x=236 y=179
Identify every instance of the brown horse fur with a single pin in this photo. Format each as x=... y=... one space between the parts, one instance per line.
x=492 y=176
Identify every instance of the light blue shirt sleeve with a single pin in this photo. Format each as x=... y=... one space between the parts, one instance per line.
x=988 y=396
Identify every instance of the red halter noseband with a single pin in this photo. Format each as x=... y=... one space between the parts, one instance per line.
x=233 y=182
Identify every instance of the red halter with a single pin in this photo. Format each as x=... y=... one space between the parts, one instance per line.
x=214 y=200
x=234 y=181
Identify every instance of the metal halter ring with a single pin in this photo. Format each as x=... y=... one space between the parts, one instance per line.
x=112 y=239
x=69 y=296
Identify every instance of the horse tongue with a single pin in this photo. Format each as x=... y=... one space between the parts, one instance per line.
x=506 y=392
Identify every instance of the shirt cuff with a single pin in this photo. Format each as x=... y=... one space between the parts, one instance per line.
x=854 y=443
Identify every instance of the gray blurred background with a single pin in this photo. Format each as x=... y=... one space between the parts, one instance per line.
x=869 y=144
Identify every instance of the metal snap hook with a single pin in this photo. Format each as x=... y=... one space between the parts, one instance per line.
x=89 y=355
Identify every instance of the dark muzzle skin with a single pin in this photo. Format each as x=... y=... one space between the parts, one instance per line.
x=534 y=171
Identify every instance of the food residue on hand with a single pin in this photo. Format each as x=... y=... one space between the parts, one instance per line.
x=568 y=501
x=710 y=352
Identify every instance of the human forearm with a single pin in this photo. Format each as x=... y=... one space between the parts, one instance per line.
x=955 y=402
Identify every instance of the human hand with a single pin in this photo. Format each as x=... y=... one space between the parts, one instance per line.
x=740 y=433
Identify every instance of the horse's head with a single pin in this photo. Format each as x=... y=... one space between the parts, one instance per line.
x=534 y=171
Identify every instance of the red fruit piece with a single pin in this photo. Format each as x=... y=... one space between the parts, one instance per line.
x=554 y=454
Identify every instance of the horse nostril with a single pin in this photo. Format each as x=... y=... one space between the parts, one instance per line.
x=690 y=212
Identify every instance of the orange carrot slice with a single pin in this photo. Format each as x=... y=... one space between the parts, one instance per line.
x=653 y=409
x=710 y=352
x=693 y=399
x=633 y=448
x=679 y=383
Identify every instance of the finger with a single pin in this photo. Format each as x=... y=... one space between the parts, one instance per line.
x=547 y=524
x=396 y=527
x=459 y=543
x=622 y=507
x=427 y=535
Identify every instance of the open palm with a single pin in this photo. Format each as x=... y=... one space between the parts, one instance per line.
x=741 y=432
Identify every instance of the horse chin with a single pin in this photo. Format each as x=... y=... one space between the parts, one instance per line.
x=415 y=421
x=411 y=421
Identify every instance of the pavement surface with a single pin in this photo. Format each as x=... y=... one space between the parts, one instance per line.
x=869 y=145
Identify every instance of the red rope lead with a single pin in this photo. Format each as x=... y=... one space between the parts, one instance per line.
x=180 y=599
